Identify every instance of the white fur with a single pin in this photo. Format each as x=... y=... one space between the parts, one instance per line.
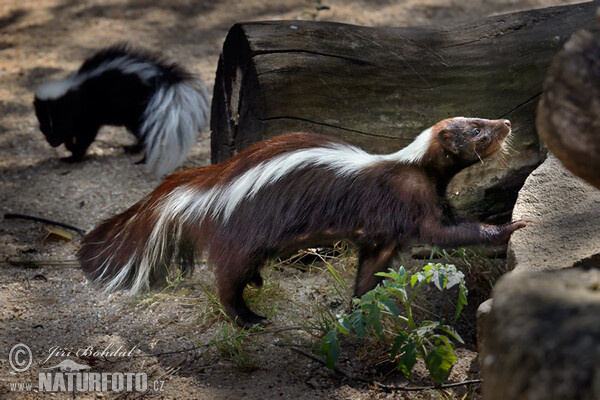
x=127 y=64
x=172 y=120
x=345 y=160
x=414 y=152
x=54 y=90
x=187 y=204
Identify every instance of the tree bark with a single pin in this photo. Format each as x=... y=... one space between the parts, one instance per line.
x=379 y=87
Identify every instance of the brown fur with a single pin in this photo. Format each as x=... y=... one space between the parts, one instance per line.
x=386 y=206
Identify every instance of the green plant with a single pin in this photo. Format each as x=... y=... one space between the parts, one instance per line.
x=429 y=340
x=231 y=342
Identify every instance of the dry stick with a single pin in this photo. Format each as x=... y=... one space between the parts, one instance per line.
x=350 y=376
x=36 y=264
x=45 y=221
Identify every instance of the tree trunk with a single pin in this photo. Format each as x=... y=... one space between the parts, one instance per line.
x=379 y=87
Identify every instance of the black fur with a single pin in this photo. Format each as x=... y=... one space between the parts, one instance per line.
x=112 y=97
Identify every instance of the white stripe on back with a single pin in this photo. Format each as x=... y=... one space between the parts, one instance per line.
x=126 y=64
x=191 y=204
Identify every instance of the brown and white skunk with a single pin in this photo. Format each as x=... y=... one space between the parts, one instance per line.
x=159 y=102
x=291 y=192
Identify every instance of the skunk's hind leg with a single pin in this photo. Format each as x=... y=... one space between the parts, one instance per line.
x=138 y=147
x=257 y=280
x=231 y=283
x=78 y=145
x=133 y=148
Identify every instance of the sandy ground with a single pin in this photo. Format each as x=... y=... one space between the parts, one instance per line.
x=50 y=306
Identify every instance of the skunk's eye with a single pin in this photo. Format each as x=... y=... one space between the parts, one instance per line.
x=476 y=131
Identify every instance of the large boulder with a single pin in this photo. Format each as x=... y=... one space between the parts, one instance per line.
x=568 y=114
x=539 y=337
x=530 y=309
x=543 y=337
x=565 y=214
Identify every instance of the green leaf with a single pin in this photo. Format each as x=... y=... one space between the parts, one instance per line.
x=330 y=348
x=374 y=322
x=414 y=279
x=344 y=325
x=389 y=305
x=462 y=299
x=392 y=275
x=438 y=276
x=401 y=273
x=451 y=331
x=429 y=267
x=398 y=342
x=397 y=290
x=439 y=362
x=453 y=276
x=426 y=328
x=408 y=359
x=430 y=340
x=367 y=298
x=357 y=320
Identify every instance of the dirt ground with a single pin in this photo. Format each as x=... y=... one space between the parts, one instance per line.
x=48 y=304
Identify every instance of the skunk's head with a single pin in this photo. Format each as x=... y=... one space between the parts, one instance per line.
x=56 y=112
x=44 y=113
x=468 y=140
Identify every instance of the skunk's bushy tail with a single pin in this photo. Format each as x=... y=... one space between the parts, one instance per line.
x=171 y=122
x=134 y=249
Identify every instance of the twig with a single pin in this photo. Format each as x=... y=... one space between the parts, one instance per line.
x=37 y=264
x=353 y=377
x=45 y=221
x=336 y=369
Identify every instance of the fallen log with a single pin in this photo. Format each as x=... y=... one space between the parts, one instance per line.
x=379 y=87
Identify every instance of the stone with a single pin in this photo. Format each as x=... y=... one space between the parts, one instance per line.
x=483 y=312
x=568 y=113
x=565 y=214
x=543 y=337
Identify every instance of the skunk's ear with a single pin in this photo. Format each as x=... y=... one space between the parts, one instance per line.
x=447 y=141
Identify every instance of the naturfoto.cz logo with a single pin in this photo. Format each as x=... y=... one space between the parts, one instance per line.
x=70 y=376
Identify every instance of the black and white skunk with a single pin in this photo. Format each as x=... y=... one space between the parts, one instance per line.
x=291 y=192
x=159 y=102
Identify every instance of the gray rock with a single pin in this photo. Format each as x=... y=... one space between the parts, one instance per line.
x=568 y=113
x=543 y=337
x=483 y=313
x=566 y=220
